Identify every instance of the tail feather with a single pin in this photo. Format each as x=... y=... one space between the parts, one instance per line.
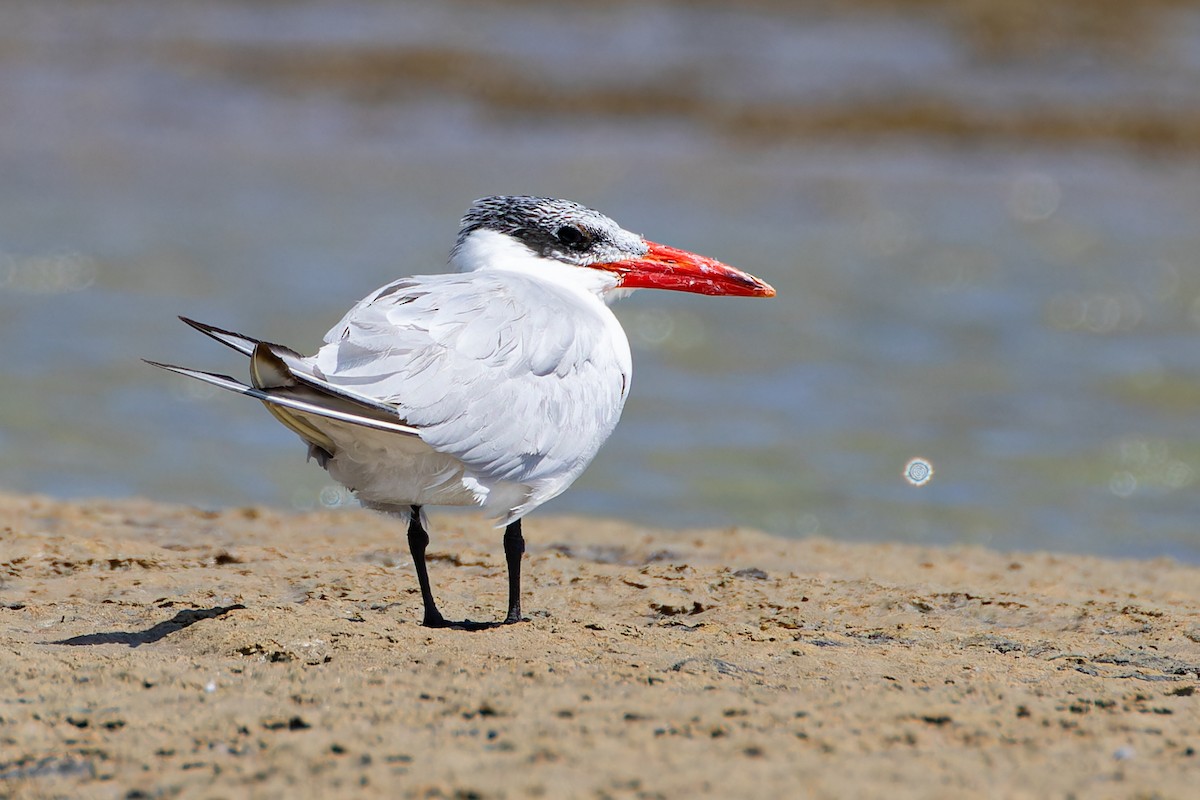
x=279 y=358
x=302 y=399
x=243 y=344
x=285 y=383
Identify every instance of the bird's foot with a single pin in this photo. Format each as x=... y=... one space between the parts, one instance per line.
x=434 y=619
x=468 y=624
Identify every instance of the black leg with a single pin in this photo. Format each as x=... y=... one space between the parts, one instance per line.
x=514 y=548
x=418 y=540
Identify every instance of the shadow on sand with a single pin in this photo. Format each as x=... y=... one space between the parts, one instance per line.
x=152 y=634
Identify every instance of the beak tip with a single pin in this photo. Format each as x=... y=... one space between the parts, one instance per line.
x=757 y=287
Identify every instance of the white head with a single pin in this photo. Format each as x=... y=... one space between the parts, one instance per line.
x=561 y=239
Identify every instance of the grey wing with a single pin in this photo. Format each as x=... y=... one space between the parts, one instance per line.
x=518 y=380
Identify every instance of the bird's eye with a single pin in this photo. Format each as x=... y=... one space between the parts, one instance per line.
x=572 y=237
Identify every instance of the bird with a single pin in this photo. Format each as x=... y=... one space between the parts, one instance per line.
x=491 y=385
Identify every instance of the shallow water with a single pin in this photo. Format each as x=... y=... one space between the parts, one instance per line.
x=1019 y=306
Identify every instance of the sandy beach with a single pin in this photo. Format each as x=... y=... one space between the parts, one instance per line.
x=150 y=650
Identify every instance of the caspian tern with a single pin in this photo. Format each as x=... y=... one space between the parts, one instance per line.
x=492 y=386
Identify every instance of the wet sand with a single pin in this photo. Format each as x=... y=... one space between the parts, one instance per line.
x=150 y=650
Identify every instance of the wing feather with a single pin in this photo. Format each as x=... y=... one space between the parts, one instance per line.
x=519 y=379
x=301 y=399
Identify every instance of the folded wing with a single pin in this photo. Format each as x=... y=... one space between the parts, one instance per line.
x=510 y=375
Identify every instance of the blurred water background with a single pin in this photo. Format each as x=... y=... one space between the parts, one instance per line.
x=982 y=217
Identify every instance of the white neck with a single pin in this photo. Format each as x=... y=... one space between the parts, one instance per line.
x=484 y=250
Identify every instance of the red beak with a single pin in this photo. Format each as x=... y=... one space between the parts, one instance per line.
x=665 y=267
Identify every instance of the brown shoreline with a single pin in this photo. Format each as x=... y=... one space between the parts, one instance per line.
x=157 y=651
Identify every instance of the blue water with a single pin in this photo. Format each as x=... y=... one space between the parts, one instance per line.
x=1024 y=316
